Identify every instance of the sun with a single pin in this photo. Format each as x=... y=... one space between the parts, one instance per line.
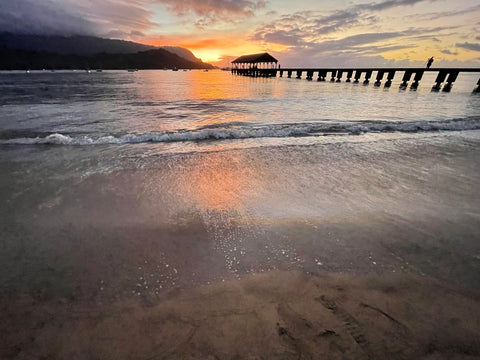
x=208 y=55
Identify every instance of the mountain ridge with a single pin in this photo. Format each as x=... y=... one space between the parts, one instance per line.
x=70 y=45
x=150 y=59
x=21 y=51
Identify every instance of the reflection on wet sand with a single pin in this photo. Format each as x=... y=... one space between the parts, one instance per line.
x=221 y=183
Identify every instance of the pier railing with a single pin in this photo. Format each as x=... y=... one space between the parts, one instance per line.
x=444 y=80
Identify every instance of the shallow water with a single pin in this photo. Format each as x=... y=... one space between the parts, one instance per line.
x=388 y=203
x=120 y=184
x=164 y=106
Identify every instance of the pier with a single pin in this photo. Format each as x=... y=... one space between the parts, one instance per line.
x=264 y=65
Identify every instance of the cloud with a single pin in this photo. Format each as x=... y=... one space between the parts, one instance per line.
x=448 y=14
x=351 y=50
x=34 y=17
x=315 y=37
x=384 y=5
x=209 y=7
x=448 y=52
x=70 y=17
x=119 y=34
x=189 y=42
x=310 y=26
x=118 y=18
x=469 y=46
x=361 y=39
x=271 y=13
x=292 y=37
x=211 y=12
x=355 y=45
x=303 y=25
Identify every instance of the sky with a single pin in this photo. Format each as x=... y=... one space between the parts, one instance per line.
x=297 y=33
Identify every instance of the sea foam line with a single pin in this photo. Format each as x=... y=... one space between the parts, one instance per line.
x=225 y=131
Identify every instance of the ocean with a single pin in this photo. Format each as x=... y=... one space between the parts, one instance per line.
x=133 y=187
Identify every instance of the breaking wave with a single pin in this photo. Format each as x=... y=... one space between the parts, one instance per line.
x=236 y=131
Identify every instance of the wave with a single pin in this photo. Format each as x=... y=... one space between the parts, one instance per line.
x=244 y=131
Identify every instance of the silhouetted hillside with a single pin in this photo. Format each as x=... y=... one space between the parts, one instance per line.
x=182 y=52
x=151 y=59
x=74 y=45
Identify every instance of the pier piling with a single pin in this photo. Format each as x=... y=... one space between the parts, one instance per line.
x=416 y=80
x=439 y=80
x=289 y=74
x=406 y=79
x=334 y=72
x=368 y=75
x=451 y=79
x=349 y=75
x=390 y=76
x=322 y=75
x=299 y=74
x=379 y=78
x=339 y=76
x=358 y=74
x=478 y=87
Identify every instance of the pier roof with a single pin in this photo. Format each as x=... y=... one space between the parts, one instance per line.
x=255 y=58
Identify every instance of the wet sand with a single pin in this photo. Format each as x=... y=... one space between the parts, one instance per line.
x=341 y=251
x=275 y=315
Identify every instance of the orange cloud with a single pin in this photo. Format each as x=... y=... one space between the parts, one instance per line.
x=189 y=42
x=210 y=49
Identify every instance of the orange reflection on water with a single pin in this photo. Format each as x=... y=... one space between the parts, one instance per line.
x=210 y=85
x=221 y=181
x=215 y=88
x=192 y=99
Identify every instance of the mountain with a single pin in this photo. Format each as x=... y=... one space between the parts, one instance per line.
x=11 y=59
x=88 y=52
x=182 y=52
x=74 y=45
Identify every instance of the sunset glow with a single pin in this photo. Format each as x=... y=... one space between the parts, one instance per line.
x=307 y=33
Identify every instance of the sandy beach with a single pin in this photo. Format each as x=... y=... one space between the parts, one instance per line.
x=275 y=315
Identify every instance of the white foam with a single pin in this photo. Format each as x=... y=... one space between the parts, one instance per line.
x=245 y=131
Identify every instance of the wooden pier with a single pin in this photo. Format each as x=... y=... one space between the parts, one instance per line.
x=444 y=80
x=265 y=65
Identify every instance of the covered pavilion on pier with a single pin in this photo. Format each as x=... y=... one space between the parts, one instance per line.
x=255 y=61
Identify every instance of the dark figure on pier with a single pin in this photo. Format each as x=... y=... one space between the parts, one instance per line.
x=429 y=62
